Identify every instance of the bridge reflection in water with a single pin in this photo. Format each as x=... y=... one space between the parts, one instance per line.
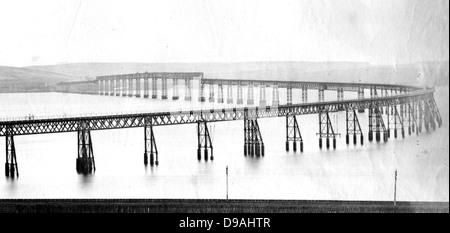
x=392 y=109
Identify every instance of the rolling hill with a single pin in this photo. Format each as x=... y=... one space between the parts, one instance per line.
x=41 y=78
x=425 y=73
x=14 y=79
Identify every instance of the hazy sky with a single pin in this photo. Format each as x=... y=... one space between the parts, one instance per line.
x=376 y=31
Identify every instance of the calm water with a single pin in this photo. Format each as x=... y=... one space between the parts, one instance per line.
x=47 y=162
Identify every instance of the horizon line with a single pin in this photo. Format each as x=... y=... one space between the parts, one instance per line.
x=232 y=62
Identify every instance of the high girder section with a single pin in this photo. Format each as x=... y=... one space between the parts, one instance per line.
x=167 y=75
x=101 y=84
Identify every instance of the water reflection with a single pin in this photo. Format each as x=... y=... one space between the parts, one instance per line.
x=86 y=180
x=349 y=172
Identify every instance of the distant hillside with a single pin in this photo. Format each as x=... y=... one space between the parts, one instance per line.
x=35 y=78
x=13 y=79
x=426 y=73
x=96 y=69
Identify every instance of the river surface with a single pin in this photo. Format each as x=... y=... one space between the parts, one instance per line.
x=47 y=162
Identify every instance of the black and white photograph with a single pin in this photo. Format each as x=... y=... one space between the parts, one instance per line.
x=224 y=106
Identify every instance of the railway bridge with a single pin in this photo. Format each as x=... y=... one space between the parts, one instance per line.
x=392 y=110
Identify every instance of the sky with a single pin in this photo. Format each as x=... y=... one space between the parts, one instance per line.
x=47 y=32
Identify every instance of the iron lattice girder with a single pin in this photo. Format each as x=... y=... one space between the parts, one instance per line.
x=56 y=125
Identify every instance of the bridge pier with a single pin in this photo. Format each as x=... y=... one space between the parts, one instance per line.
x=427 y=118
x=340 y=94
x=361 y=96
x=188 y=89
x=201 y=95
x=275 y=95
x=99 y=87
x=124 y=87
x=105 y=91
x=289 y=95
x=253 y=142
x=204 y=141
x=408 y=117
x=211 y=93
x=118 y=87
x=293 y=133
x=104 y=87
x=262 y=95
x=250 y=96
x=326 y=130
x=229 y=93
x=353 y=127
x=413 y=117
x=154 y=88
x=381 y=95
x=340 y=97
x=434 y=115
x=108 y=88
x=85 y=160
x=164 y=89
x=220 y=95
x=111 y=87
x=420 y=110
x=138 y=86
x=175 y=95
x=321 y=94
x=240 y=98
x=150 y=144
x=115 y=84
x=11 y=167
x=146 y=88
x=130 y=87
x=376 y=124
x=304 y=95
x=395 y=119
